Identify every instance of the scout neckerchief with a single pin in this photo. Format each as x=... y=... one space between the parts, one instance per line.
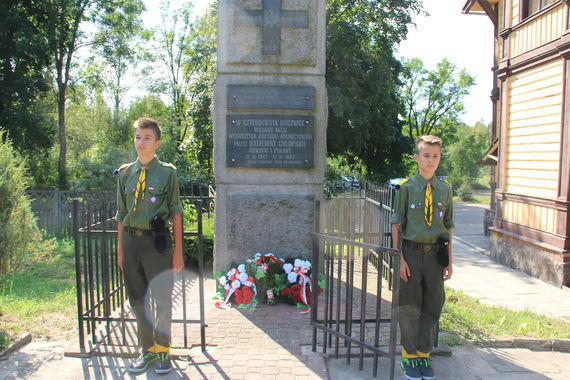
x=141 y=184
x=429 y=204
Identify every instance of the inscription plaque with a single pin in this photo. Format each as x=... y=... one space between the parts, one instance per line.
x=271 y=97
x=270 y=141
x=272 y=19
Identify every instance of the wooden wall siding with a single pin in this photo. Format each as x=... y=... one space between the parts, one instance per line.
x=533 y=134
x=538 y=32
x=538 y=217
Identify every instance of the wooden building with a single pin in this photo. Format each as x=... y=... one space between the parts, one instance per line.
x=530 y=154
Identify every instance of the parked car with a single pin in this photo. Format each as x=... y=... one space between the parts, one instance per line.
x=351 y=181
x=394 y=182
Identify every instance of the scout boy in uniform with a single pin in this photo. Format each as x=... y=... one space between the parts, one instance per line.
x=148 y=200
x=424 y=209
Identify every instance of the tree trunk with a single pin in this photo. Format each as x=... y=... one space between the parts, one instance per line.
x=61 y=167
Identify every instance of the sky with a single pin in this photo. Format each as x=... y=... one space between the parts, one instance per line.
x=466 y=40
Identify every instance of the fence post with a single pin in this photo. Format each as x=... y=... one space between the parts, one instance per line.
x=395 y=302
x=78 y=274
x=315 y=274
x=201 y=275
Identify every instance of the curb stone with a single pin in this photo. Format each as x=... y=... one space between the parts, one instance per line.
x=559 y=345
x=19 y=343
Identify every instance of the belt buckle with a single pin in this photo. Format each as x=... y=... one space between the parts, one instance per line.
x=137 y=233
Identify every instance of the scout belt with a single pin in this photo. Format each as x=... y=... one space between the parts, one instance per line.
x=420 y=246
x=140 y=233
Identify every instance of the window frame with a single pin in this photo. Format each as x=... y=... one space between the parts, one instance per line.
x=525 y=7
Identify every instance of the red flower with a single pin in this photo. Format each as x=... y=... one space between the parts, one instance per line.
x=296 y=297
x=296 y=289
x=239 y=296
x=247 y=294
x=285 y=291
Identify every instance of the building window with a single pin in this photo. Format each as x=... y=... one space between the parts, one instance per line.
x=530 y=7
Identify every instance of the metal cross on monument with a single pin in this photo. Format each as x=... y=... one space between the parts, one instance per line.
x=272 y=18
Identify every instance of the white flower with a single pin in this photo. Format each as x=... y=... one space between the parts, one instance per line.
x=298 y=262
x=292 y=277
x=287 y=267
x=241 y=268
x=236 y=284
x=242 y=277
x=223 y=280
x=232 y=272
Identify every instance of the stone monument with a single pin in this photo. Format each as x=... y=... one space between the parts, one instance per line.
x=270 y=117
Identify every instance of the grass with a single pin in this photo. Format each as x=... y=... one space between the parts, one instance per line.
x=467 y=317
x=480 y=199
x=40 y=299
x=483 y=199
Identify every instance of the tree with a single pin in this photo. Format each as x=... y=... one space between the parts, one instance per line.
x=63 y=20
x=116 y=44
x=364 y=127
x=173 y=41
x=463 y=155
x=201 y=139
x=20 y=238
x=433 y=99
x=24 y=57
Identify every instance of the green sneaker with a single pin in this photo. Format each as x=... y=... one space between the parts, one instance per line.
x=142 y=362
x=163 y=365
x=410 y=369
x=425 y=369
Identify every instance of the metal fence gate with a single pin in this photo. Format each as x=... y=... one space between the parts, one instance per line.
x=357 y=310
x=102 y=314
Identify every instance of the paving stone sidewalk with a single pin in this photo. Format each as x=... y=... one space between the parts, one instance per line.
x=274 y=342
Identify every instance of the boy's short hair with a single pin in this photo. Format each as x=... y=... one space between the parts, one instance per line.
x=147 y=122
x=428 y=139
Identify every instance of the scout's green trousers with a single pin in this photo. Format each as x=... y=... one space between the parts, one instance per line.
x=149 y=283
x=421 y=300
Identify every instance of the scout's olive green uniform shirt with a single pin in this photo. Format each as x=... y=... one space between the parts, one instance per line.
x=161 y=195
x=409 y=209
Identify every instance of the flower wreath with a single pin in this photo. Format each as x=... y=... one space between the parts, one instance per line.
x=239 y=284
x=289 y=279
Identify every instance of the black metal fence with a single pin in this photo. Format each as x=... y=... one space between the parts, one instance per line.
x=382 y=197
x=103 y=317
x=357 y=310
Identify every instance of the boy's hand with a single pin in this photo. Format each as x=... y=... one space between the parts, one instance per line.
x=177 y=260
x=404 y=270
x=120 y=256
x=447 y=272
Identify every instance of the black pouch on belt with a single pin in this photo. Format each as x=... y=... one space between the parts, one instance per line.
x=442 y=252
x=157 y=224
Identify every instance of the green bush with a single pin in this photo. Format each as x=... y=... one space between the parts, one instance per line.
x=191 y=243
x=20 y=238
x=191 y=250
x=465 y=192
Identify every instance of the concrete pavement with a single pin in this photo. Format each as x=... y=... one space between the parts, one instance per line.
x=274 y=342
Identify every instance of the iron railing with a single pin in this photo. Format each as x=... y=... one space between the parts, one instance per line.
x=354 y=310
x=103 y=317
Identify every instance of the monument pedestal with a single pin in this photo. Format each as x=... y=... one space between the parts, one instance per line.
x=270 y=117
